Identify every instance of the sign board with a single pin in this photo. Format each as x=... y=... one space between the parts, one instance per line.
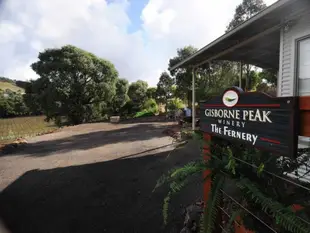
x=253 y=118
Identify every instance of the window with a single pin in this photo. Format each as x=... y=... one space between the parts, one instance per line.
x=303 y=66
x=303 y=75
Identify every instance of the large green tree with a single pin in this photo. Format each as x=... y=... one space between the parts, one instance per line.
x=138 y=93
x=270 y=76
x=32 y=97
x=213 y=78
x=12 y=104
x=121 y=95
x=183 y=76
x=151 y=93
x=74 y=83
x=243 y=12
x=164 y=88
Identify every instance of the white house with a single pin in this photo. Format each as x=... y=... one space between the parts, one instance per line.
x=278 y=37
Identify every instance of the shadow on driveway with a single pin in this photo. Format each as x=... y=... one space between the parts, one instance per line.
x=114 y=196
x=86 y=141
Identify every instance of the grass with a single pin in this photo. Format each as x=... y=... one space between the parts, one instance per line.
x=144 y=113
x=11 y=86
x=21 y=127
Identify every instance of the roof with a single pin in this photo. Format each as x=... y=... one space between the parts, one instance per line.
x=256 y=41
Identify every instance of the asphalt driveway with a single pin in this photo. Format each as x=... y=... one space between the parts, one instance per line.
x=93 y=178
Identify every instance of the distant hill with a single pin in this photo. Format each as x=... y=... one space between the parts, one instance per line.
x=6 y=83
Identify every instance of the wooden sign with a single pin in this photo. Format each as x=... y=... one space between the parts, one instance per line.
x=253 y=118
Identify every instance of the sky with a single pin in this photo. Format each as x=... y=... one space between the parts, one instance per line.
x=137 y=36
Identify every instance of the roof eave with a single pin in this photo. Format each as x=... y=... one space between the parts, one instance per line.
x=258 y=16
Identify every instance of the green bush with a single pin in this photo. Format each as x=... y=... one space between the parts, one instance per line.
x=12 y=104
x=174 y=104
x=144 y=113
x=150 y=108
x=150 y=105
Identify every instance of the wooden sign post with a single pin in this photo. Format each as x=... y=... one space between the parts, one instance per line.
x=253 y=118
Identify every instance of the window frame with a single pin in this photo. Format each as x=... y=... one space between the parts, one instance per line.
x=297 y=53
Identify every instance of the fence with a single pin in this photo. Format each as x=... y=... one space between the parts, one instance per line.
x=272 y=194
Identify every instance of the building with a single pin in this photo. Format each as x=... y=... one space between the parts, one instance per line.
x=276 y=38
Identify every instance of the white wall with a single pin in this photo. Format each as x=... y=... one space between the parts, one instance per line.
x=288 y=83
x=287 y=67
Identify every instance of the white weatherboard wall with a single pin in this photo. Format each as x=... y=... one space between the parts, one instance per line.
x=299 y=28
x=288 y=82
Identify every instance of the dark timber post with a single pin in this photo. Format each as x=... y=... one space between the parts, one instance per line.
x=193 y=99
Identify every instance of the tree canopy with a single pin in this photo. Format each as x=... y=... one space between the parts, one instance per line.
x=12 y=104
x=244 y=11
x=183 y=76
x=137 y=92
x=74 y=83
x=121 y=96
x=164 y=87
x=80 y=87
x=151 y=93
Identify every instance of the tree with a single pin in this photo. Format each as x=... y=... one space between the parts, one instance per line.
x=164 y=88
x=121 y=96
x=183 y=76
x=137 y=93
x=270 y=76
x=31 y=98
x=5 y=79
x=269 y=82
x=150 y=105
x=175 y=104
x=73 y=83
x=12 y=104
x=243 y=12
x=151 y=93
x=213 y=78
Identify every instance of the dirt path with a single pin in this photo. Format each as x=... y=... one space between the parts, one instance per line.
x=92 y=178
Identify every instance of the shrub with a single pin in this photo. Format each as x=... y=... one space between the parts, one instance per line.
x=144 y=113
x=150 y=108
x=174 y=104
x=150 y=105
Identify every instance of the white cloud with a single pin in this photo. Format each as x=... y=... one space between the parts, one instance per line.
x=27 y=27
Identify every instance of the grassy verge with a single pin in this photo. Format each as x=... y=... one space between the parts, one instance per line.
x=20 y=127
x=144 y=113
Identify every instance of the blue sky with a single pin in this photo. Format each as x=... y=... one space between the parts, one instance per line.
x=137 y=36
x=134 y=12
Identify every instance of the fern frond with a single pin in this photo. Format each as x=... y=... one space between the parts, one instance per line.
x=166 y=208
x=213 y=203
x=201 y=224
x=232 y=219
x=231 y=166
x=178 y=178
x=164 y=179
x=284 y=216
x=188 y=170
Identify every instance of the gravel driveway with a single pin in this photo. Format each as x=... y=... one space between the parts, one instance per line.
x=92 y=178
